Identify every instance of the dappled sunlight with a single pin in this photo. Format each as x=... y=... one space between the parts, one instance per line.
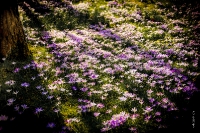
x=129 y=67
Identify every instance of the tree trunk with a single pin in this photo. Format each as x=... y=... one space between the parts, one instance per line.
x=13 y=44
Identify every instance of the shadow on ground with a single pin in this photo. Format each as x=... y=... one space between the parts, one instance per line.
x=15 y=118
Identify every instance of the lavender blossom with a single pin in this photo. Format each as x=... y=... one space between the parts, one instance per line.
x=25 y=84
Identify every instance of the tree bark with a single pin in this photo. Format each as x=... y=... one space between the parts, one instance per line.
x=13 y=43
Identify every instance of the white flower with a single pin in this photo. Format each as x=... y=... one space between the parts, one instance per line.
x=134 y=110
x=13 y=63
x=10 y=82
x=52 y=87
x=122 y=98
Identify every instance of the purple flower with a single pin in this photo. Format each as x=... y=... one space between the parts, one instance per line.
x=158 y=119
x=25 y=84
x=83 y=108
x=39 y=87
x=105 y=129
x=149 y=91
x=24 y=106
x=100 y=105
x=84 y=89
x=133 y=129
x=164 y=27
x=10 y=101
x=56 y=110
x=16 y=70
x=27 y=66
x=114 y=123
x=151 y=100
x=148 y=109
x=38 y=110
x=147 y=118
x=75 y=38
x=50 y=97
x=112 y=3
x=74 y=88
x=157 y=113
x=123 y=56
x=44 y=92
x=16 y=108
x=96 y=114
x=109 y=70
x=3 y=118
x=165 y=100
x=117 y=120
x=169 y=51
x=51 y=125
x=106 y=55
x=94 y=76
x=134 y=116
x=186 y=88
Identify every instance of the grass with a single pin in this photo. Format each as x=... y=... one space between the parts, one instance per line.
x=102 y=67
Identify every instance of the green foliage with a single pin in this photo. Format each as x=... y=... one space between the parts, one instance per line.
x=96 y=17
x=153 y=16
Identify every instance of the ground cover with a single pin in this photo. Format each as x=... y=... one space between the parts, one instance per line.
x=104 y=67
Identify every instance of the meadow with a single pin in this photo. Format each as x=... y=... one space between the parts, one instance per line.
x=104 y=66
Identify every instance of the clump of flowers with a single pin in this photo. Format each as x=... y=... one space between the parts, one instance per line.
x=115 y=121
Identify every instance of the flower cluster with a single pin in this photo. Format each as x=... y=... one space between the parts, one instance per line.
x=115 y=121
